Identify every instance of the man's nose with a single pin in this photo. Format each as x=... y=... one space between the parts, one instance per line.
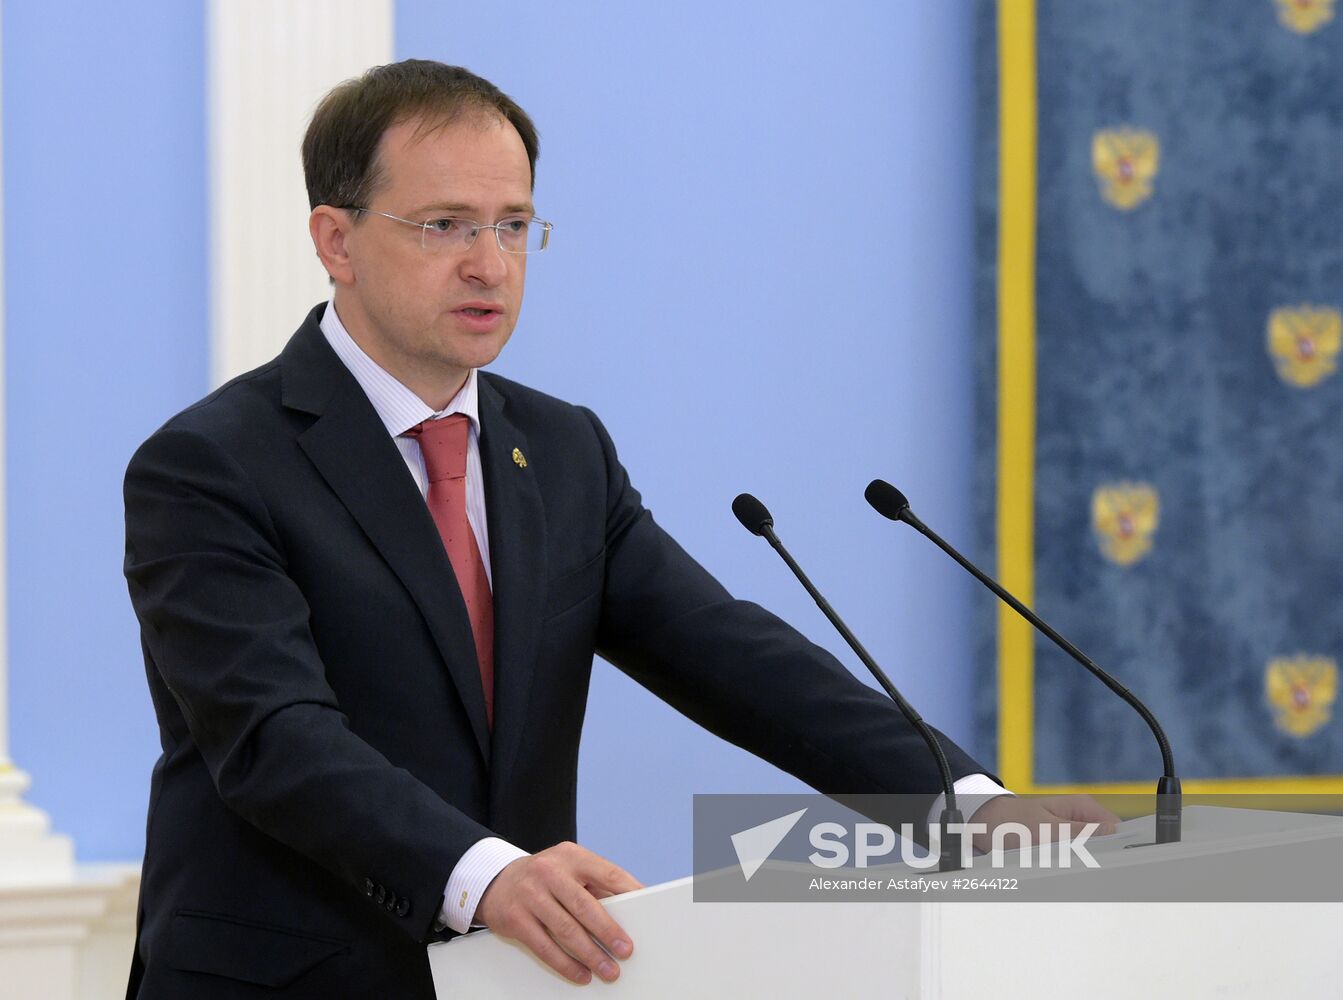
x=484 y=261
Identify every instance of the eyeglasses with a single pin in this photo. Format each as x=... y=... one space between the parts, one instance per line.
x=447 y=234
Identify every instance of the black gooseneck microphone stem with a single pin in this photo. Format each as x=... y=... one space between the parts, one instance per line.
x=1167 y=759
x=950 y=859
x=891 y=503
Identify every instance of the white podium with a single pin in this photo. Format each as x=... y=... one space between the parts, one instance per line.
x=969 y=949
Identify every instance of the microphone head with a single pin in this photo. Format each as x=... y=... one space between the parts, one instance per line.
x=752 y=514
x=886 y=500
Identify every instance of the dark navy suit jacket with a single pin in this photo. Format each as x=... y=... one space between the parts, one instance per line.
x=326 y=759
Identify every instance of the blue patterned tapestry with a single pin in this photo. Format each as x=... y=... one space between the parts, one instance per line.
x=1187 y=481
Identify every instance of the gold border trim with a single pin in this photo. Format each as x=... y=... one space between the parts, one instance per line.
x=1016 y=386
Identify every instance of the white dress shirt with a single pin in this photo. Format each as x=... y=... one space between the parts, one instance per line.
x=400 y=409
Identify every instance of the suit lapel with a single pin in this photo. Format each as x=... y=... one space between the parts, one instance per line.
x=359 y=461
x=518 y=568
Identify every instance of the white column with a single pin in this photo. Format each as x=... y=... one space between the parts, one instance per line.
x=29 y=852
x=270 y=62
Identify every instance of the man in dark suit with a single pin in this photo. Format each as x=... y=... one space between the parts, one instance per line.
x=370 y=665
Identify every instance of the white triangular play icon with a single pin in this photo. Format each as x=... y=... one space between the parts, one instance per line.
x=754 y=846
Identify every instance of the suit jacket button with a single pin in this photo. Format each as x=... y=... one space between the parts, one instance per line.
x=368 y=887
x=380 y=895
x=403 y=908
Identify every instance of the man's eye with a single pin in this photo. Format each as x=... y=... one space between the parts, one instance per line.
x=514 y=225
x=446 y=226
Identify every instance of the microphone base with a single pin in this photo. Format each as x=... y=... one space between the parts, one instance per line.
x=1169 y=807
x=949 y=860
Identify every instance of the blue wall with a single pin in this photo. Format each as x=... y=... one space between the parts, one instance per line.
x=106 y=237
x=760 y=280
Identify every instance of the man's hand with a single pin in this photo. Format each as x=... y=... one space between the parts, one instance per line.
x=1073 y=811
x=548 y=903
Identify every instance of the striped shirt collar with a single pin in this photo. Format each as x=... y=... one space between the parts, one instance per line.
x=397 y=406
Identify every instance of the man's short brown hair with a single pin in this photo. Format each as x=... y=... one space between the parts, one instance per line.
x=340 y=148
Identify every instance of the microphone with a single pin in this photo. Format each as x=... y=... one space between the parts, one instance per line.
x=890 y=503
x=756 y=519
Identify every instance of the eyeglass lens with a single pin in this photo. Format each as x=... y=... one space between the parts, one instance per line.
x=513 y=235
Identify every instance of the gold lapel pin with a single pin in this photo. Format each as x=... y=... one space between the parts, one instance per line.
x=519 y=458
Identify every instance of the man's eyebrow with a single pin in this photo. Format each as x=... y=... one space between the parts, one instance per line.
x=467 y=211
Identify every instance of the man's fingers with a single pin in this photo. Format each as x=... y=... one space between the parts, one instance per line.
x=1052 y=824
x=596 y=921
x=599 y=873
x=1080 y=810
x=575 y=938
x=1076 y=828
x=1046 y=818
x=536 y=939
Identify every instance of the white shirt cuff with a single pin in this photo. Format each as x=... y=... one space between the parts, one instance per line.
x=972 y=792
x=475 y=871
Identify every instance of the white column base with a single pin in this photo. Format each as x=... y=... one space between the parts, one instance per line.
x=29 y=852
x=72 y=939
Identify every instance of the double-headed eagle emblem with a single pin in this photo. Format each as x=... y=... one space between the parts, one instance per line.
x=1304 y=343
x=1305 y=16
x=1301 y=690
x=1125 y=161
x=1124 y=517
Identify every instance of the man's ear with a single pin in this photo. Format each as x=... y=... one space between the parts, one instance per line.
x=329 y=228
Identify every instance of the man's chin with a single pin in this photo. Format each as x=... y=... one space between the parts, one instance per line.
x=479 y=350
x=477 y=356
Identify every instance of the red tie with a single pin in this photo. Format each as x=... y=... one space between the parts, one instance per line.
x=443 y=444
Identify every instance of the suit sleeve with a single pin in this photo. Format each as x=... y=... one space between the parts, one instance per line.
x=744 y=674
x=227 y=631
